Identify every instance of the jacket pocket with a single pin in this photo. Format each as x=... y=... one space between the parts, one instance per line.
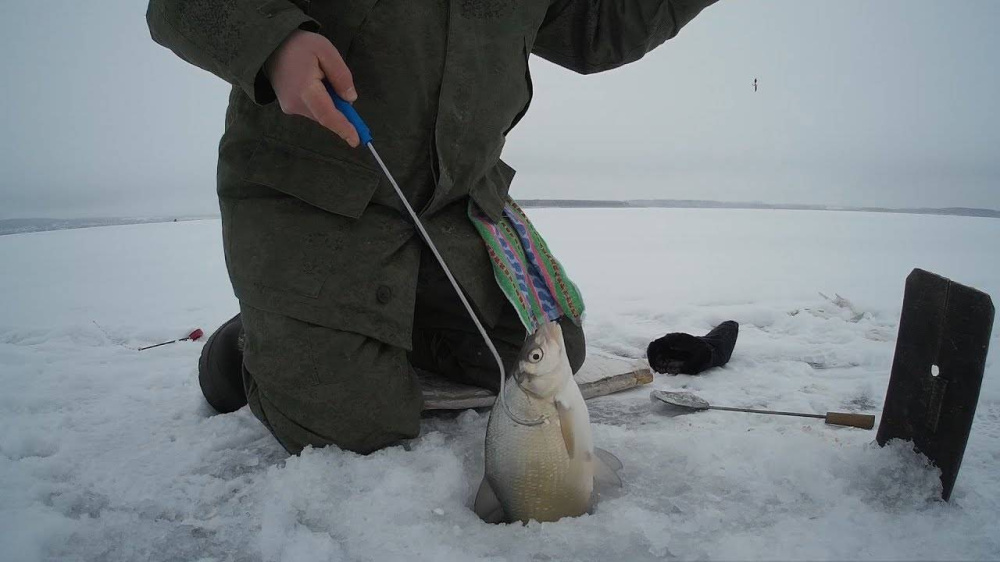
x=333 y=185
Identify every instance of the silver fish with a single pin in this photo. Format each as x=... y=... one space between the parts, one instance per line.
x=547 y=471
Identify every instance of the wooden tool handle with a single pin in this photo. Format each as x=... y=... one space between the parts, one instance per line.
x=617 y=383
x=863 y=421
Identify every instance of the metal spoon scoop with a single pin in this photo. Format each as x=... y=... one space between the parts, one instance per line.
x=692 y=402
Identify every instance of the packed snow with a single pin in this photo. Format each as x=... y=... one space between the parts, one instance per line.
x=107 y=453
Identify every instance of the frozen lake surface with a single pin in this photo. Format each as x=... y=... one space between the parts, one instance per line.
x=111 y=454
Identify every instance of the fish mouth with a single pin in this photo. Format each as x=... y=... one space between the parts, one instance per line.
x=549 y=331
x=545 y=336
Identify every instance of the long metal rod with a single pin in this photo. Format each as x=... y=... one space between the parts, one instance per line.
x=776 y=413
x=458 y=291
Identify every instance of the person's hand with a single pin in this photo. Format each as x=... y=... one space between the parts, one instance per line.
x=297 y=69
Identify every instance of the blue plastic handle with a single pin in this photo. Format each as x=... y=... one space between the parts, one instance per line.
x=364 y=133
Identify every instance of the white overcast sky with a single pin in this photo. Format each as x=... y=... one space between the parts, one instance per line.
x=861 y=102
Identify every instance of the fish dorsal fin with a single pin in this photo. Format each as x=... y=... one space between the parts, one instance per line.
x=487 y=505
x=566 y=426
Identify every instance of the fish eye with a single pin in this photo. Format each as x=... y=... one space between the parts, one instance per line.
x=535 y=355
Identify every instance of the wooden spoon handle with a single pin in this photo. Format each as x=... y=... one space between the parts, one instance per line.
x=863 y=421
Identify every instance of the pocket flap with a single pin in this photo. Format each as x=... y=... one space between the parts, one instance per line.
x=336 y=186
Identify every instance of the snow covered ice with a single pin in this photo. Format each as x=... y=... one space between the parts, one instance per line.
x=111 y=454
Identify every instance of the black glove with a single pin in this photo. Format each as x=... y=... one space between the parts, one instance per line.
x=678 y=353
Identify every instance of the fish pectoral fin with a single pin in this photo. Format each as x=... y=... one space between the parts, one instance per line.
x=606 y=467
x=566 y=426
x=487 y=505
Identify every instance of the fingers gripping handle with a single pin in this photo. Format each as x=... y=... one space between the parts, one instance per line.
x=364 y=134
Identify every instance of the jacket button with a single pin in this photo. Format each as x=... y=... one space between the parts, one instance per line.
x=383 y=294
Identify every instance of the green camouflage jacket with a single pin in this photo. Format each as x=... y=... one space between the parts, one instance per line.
x=311 y=228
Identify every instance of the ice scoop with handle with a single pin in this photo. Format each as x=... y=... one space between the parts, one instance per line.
x=689 y=401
